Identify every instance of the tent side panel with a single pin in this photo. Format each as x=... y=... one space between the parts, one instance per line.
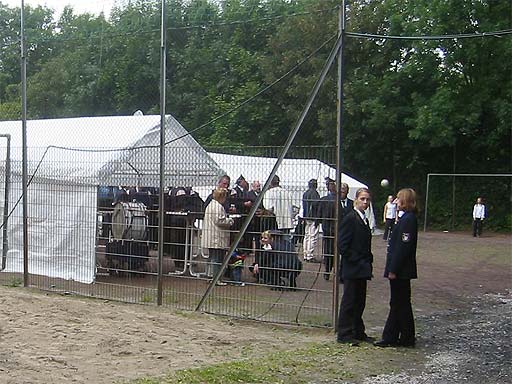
x=61 y=233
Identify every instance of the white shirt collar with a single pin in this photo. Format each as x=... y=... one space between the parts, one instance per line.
x=361 y=214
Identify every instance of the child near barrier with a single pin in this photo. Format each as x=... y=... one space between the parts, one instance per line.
x=236 y=265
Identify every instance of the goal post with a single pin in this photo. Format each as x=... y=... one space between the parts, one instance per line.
x=454 y=175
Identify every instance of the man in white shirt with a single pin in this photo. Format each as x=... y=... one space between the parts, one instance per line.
x=389 y=217
x=279 y=202
x=478 y=217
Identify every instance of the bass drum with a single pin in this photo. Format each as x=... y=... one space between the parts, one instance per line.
x=129 y=221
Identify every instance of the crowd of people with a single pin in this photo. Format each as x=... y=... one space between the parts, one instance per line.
x=276 y=260
x=276 y=218
x=270 y=240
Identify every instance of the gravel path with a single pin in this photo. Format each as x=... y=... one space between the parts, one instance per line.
x=470 y=345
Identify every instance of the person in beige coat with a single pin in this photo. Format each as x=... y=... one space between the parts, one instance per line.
x=216 y=233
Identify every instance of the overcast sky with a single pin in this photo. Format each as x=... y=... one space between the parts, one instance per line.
x=80 y=6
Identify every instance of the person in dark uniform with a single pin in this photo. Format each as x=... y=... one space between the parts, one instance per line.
x=242 y=203
x=327 y=214
x=264 y=220
x=223 y=182
x=400 y=269
x=354 y=245
x=277 y=263
x=310 y=206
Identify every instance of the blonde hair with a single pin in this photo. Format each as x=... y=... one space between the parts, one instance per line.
x=407 y=198
x=220 y=193
x=266 y=234
x=361 y=190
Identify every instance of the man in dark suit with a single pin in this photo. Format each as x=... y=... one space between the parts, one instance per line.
x=354 y=245
x=327 y=213
x=223 y=182
x=242 y=203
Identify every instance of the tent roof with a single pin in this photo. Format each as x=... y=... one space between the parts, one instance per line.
x=81 y=132
x=94 y=150
x=292 y=172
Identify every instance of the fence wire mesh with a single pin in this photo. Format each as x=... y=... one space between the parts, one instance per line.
x=93 y=201
x=102 y=240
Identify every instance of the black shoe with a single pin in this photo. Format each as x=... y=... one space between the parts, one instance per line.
x=350 y=342
x=385 y=344
x=366 y=339
x=326 y=276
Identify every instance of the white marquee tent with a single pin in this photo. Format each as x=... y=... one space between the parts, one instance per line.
x=67 y=160
x=294 y=174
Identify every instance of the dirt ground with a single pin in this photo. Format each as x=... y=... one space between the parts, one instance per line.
x=462 y=303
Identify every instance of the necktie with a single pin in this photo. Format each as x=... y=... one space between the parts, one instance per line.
x=365 y=219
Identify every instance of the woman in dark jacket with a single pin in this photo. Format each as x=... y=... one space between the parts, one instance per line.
x=276 y=260
x=400 y=269
x=354 y=245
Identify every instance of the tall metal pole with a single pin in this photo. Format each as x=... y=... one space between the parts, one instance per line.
x=453 y=182
x=426 y=205
x=24 y=176
x=5 y=242
x=161 y=207
x=289 y=141
x=339 y=164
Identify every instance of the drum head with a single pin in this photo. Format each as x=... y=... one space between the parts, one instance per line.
x=129 y=221
x=119 y=223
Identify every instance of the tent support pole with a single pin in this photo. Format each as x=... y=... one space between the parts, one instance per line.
x=5 y=240
x=161 y=205
x=339 y=165
x=24 y=176
x=287 y=145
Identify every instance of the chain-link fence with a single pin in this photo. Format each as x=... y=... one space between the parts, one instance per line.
x=101 y=240
x=93 y=207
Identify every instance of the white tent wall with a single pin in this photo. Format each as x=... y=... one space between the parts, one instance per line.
x=70 y=158
x=61 y=229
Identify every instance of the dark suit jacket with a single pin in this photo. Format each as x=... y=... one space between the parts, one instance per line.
x=354 y=245
x=253 y=196
x=327 y=212
x=310 y=204
x=401 y=256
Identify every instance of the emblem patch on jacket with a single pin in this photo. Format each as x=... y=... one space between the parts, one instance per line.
x=406 y=237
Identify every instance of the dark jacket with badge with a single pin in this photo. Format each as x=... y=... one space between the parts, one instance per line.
x=401 y=256
x=354 y=245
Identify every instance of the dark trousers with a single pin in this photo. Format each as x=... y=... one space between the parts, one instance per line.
x=388 y=228
x=216 y=258
x=477 y=227
x=350 y=320
x=328 y=249
x=399 y=328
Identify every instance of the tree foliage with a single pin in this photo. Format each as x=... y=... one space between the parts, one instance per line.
x=410 y=106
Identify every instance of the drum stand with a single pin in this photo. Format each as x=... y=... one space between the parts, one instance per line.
x=188 y=262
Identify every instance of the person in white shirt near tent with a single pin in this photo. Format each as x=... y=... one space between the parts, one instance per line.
x=478 y=217
x=279 y=202
x=389 y=217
